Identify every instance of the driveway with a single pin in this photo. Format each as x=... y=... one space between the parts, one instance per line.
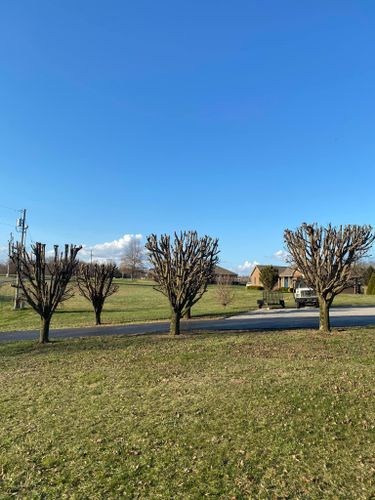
x=281 y=319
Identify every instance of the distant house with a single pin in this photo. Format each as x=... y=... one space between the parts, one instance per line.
x=225 y=274
x=219 y=273
x=292 y=278
x=288 y=276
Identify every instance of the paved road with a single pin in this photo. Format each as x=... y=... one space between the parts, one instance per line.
x=255 y=320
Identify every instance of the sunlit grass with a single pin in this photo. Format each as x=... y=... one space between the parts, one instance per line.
x=287 y=415
x=137 y=302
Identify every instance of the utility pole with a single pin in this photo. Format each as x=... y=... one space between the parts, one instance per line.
x=21 y=227
x=10 y=246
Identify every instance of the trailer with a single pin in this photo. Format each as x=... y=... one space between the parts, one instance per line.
x=271 y=299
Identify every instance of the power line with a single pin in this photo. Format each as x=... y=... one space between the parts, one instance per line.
x=8 y=208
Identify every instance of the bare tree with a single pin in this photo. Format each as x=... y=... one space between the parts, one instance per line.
x=325 y=256
x=224 y=291
x=95 y=283
x=133 y=258
x=182 y=269
x=45 y=282
x=7 y=267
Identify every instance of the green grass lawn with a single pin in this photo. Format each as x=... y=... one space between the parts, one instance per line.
x=138 y=301
x=260 y=415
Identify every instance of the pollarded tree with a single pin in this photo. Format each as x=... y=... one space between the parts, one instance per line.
x=95 y=283
x=45 y=282
x=325 y=256
x=182 y=269
x=269 y=276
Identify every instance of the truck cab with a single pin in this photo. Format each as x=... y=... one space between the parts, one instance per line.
x=305 y=297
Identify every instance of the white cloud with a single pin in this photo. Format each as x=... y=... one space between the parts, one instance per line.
x=102 y=252
x=3 y=253
x=281 y=255
x=111 y=250
x=246 y=267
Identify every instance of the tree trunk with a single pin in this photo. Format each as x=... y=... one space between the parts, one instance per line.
x=98 y=313
x=188 y=313
x=324 y=321
x=44 y=330
x=175 y=323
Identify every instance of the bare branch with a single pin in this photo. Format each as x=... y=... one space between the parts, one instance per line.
x=182 y=269
x=224 y=291
x=133 y=258
x=45 y=284
x=95 y=283
x=326 y=256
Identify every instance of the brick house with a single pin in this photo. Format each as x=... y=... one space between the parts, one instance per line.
x=292 y=278
x=221 y=273
x=288 y=276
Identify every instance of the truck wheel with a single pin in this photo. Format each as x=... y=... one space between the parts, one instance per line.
x=298 y=305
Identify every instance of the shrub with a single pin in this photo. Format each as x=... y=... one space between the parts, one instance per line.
x=254 y=287
x=224 y=291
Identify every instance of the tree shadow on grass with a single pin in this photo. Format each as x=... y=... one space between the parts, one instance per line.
x=91 y=311
x=6 y=298
x=97 y=343
x=73 y=311
x=111 y=342
x=11 y=348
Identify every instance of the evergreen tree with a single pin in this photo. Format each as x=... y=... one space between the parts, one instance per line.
x=371 y=285
x=367 y=274
x=269 y=277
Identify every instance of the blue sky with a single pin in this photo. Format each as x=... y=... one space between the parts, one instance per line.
x=235 y=118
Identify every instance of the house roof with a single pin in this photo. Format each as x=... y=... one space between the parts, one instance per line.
x=220 y=270
x=288 y=271
x=279 y=268
x=284 y=271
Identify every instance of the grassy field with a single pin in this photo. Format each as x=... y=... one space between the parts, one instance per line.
x=138 y=301
x=286 y=415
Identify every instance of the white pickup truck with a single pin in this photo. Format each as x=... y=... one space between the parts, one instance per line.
x=305 y=297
